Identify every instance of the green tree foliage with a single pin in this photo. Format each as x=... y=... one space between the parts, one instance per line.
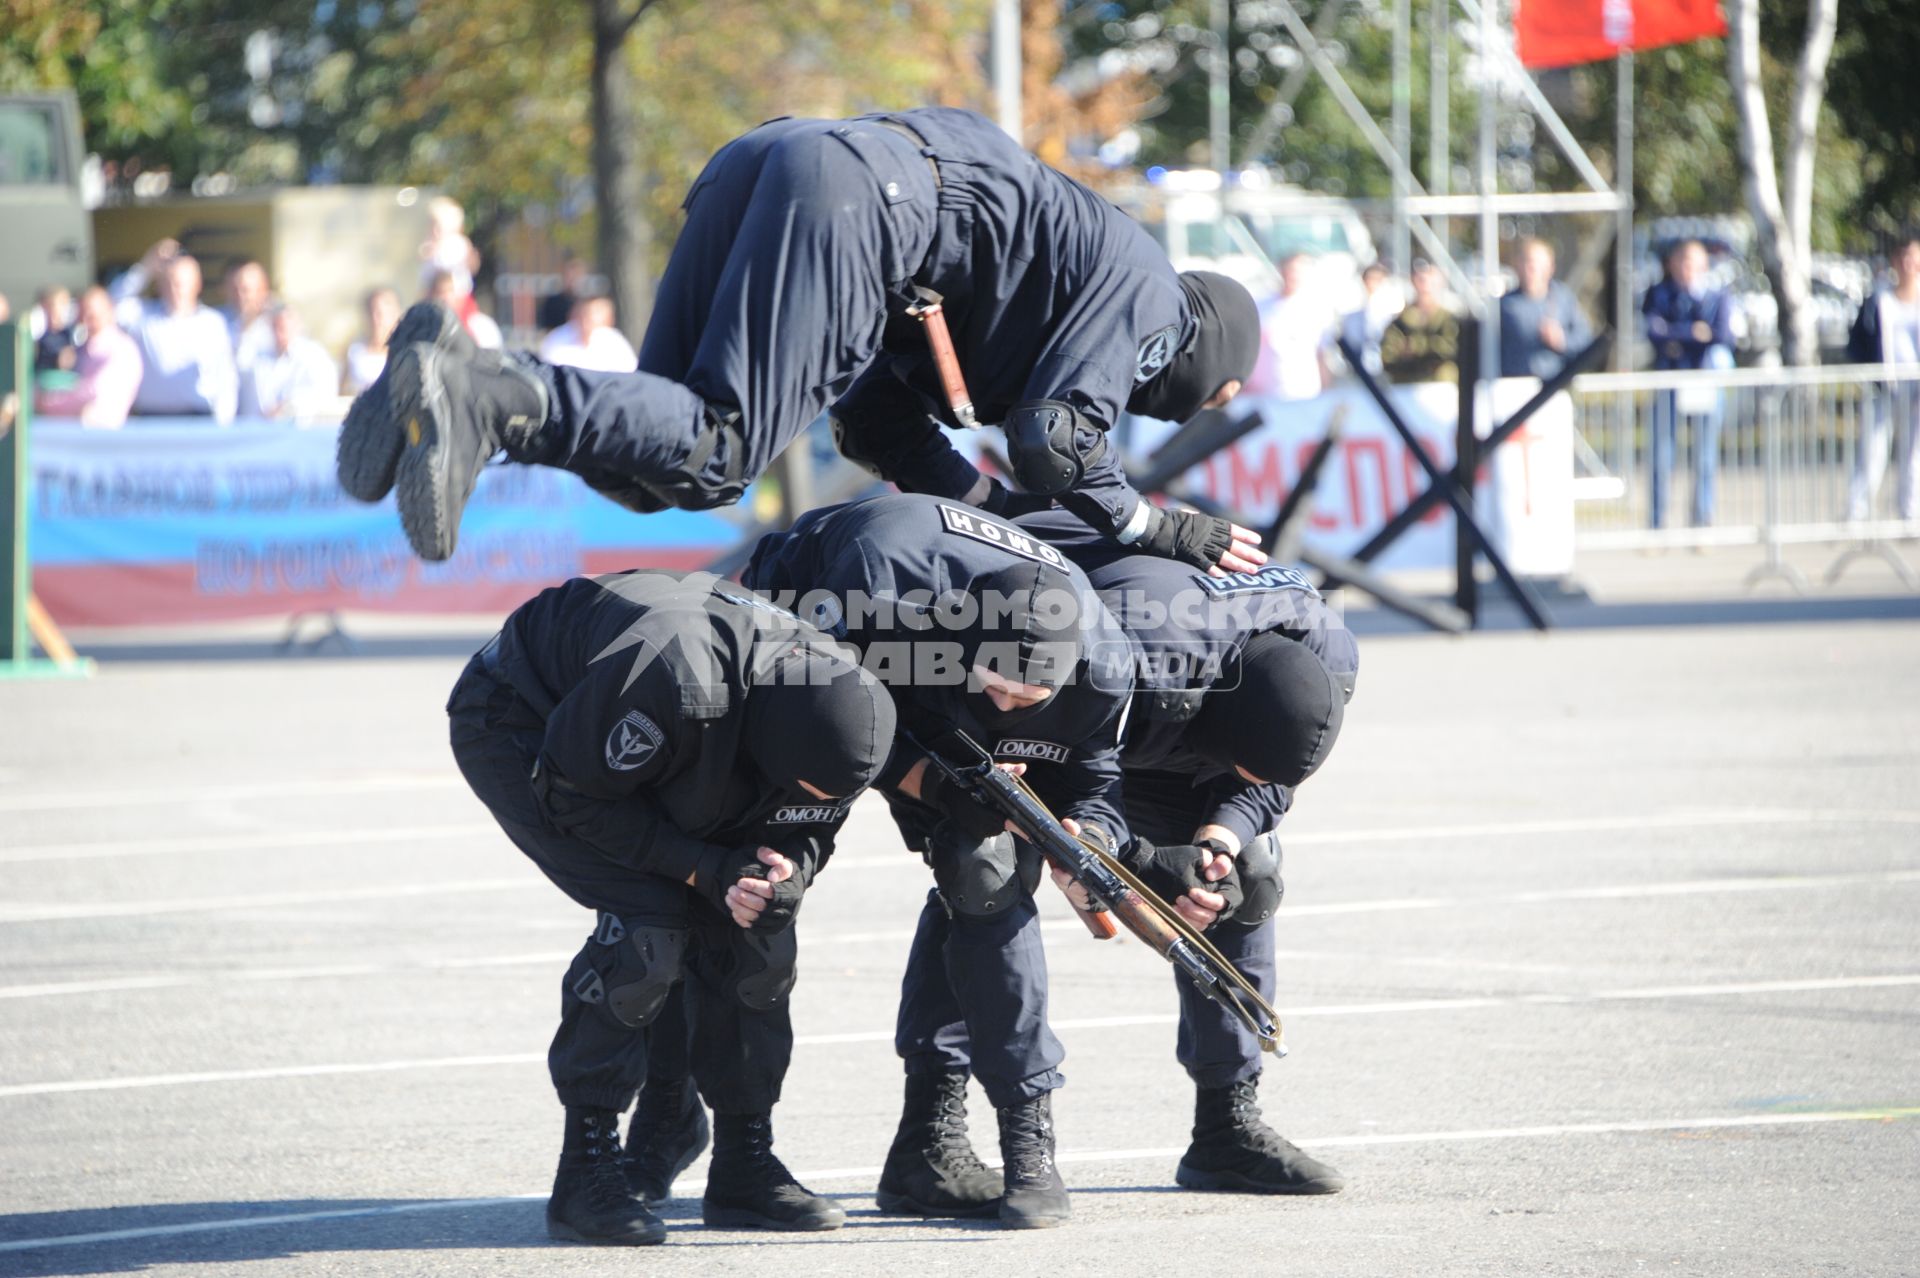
x=1685 y=160
x=114 y=57
x=1172 y=42
x=1871 y=96
x=487 y=98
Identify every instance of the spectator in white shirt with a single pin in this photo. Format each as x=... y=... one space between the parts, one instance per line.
x=445 y=289
x=295 y=377
x=248 y=297
x=1887 y=331
x=589 y=339
x=367 y=357
x=185 y=348
x=1296 y=330
x=107 y=370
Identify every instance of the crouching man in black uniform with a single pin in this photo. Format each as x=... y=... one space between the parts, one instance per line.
x=1244 y=683
x=1043 y=687
x=676 y=755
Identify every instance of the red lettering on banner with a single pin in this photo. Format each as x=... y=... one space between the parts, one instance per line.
x=1357 y=509
x=1259 y=488
x=1319 y=518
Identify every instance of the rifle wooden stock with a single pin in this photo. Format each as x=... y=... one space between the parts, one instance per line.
x=1099 y=922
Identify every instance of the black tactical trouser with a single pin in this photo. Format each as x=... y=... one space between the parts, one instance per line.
x=774 y=298
x=1212 y=1044
x=974 y=996
x=738 y=1056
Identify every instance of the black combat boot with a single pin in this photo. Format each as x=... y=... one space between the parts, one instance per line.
x=1234 y=1151
x=371 y=437
x=456 y=409
x=1036 y=1197
x=668 y=1131
x=591 y=1203
x=748 y=1188
x=932 y=1169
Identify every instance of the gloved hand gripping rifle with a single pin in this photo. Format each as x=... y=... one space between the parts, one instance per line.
x=1112 y=885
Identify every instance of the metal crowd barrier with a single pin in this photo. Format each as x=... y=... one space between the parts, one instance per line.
x=1795 y=456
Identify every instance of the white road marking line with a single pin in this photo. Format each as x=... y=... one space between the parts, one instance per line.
x=228 y=793
x=809 y=940
x=1384 y=1008
x=1600 y=825
x=1625 y=1128
x=261 y=842
x=898 y=860
x=203 y=904
x=1612 y=892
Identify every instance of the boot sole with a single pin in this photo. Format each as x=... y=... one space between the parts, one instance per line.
x=428 y=505
x=742 y=1218
x=904 y=1205
x=1227 y=1182
x=372 y=436
x=567 y=1233
x=1034 y=1222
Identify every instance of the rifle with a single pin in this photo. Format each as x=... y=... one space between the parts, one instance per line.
x=1111 y=885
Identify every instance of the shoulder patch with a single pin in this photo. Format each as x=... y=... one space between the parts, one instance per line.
x=1155 y=353
x=633 y=741
x=971 y=523
x=1272 y=577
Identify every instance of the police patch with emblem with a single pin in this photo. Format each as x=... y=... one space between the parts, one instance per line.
x=1156 y=352
x=1043 y=751
x=633 y=741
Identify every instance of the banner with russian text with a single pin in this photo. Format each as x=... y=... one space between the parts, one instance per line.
x=1524 y=495
x=169 y=522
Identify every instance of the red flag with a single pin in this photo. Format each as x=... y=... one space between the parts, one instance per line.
x=1559 y=33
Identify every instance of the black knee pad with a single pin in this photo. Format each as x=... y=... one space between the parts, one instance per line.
x=764 y=967
x=628 y=972
x=982 y=879
x=1259 y=863
x=634 y=496
x=690 y=485
x=856 y=446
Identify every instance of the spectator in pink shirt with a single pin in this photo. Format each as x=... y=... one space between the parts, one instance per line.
x=108 y=369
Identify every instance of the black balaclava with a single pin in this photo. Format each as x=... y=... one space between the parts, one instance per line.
x=1032 y=636
x=1221 y=346
x=1275 y=711
x=817 y=718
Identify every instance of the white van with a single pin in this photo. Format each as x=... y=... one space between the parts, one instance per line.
x=46 y=234
x=1246 y=230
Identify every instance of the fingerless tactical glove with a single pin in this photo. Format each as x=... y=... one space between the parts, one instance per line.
x=1174 y=870
x=1188 y=536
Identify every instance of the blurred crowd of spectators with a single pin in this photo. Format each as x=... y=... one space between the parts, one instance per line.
x=1411 y=333
x=145 y=344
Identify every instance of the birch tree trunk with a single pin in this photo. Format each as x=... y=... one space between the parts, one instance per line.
x=1783 y=224
x=623 y=233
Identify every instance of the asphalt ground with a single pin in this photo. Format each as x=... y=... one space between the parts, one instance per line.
x=1601 y=955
